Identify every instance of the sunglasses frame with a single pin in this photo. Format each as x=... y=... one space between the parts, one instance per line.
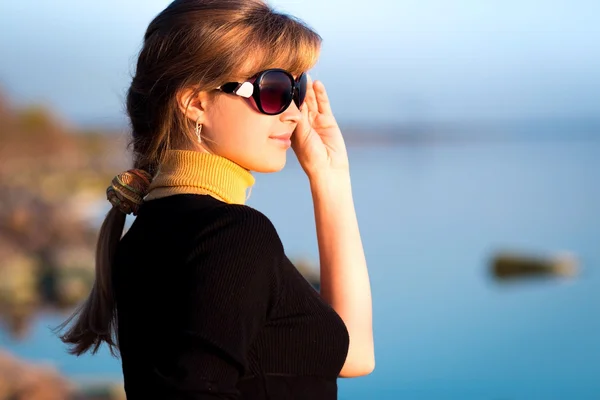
x=249 y=89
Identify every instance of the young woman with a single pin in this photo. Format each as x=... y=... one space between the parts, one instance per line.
x=198 y=297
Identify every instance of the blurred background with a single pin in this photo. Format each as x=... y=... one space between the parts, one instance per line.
x=473 y=130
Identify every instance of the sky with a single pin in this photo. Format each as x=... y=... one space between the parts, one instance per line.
x=382 y=61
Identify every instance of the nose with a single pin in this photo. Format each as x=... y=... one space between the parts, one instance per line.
x=291 y=114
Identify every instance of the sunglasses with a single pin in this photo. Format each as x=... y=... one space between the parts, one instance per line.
x=273 y=90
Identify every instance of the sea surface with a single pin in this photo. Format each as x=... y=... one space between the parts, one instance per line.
x=431 y=217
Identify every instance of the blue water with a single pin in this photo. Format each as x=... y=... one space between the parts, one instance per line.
x=430 y=217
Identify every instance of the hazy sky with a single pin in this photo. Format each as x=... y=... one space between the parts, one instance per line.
x=387 y=61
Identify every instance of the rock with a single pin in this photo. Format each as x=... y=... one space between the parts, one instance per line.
x=25 y=381
x=514 y=265
x=21 y=380
x=309 y=271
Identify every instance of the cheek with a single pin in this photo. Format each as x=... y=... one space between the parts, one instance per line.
x=238 y=126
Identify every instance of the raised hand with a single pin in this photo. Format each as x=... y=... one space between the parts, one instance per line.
x=317 y=140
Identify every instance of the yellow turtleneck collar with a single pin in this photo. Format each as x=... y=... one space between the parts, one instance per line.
x=189 y=171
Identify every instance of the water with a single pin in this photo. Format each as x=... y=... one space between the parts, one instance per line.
x=430 y=217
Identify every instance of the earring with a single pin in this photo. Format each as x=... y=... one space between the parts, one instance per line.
x=198 y=130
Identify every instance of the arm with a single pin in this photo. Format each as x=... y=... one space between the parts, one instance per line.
x=321 y=151
x=344 y=277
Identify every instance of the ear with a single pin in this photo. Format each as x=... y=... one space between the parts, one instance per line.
x=193 y=104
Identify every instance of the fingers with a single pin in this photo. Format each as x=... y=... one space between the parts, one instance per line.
x=323 y=105
x=310 y=100
x=316 y=99
x=305 y=124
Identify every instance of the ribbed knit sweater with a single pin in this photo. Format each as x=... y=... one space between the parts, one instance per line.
x=208 y=304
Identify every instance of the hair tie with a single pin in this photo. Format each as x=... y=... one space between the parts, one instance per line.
x=128 y=189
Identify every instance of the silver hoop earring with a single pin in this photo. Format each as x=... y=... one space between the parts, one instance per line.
x=198 y=130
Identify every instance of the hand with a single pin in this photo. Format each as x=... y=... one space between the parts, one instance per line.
x=317 y=140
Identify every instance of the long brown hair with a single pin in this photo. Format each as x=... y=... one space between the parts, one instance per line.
x=196 y=44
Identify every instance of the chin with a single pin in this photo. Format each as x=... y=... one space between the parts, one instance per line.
x=269 y=166
x=269 y=169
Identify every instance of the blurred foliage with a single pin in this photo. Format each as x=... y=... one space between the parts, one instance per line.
x=49 y=176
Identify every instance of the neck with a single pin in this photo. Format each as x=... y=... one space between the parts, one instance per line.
x=189 y=171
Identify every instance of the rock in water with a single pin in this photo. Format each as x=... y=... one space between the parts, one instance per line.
x=514 y=266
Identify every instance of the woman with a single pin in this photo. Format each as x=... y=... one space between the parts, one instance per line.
x=198 y=296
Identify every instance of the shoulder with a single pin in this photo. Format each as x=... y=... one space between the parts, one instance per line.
x=240 y=231
x=200 y=217
x=243 y=220
x=242 y=215
x=238 y=248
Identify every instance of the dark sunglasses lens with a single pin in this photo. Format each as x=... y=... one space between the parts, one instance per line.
x=275 y=92
x=302 y=85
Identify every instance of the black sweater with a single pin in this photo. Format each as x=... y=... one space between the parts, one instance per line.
x=210 y=307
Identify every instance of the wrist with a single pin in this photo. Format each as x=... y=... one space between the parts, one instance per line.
x=329 y=180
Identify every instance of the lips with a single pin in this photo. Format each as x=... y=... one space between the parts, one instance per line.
x=284 y=139
x=285 y=136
